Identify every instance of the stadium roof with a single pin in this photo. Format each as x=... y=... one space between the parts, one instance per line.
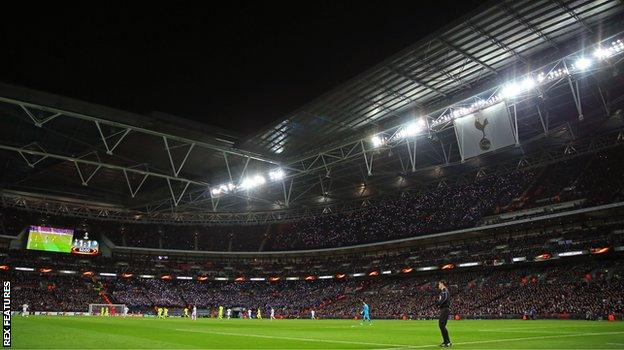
x=56 y=150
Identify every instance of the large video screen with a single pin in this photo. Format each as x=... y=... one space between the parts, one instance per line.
x=50 y=239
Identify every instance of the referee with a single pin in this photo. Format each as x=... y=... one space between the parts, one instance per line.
x=444 y=301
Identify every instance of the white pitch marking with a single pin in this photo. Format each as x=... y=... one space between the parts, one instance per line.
x=520 y=339
x=522 y=331
x=393 y=346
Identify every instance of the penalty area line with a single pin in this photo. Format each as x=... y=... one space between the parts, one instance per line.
x=385 y=345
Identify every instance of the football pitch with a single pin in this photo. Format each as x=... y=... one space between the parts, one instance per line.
x=40 y=332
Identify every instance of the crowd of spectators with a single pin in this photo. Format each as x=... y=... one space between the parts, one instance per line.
x=585 y=290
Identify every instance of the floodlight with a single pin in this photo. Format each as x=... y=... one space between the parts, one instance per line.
x=511 y=90
x=514 y=89
x=601 y=53
x=582 y=63
x=253 y=181
x=215 y=191
x=412 y=128
x=527 y=84
x=276 y=174
x=377 y=141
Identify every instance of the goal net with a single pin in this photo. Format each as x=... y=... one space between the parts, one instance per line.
x=106 y=309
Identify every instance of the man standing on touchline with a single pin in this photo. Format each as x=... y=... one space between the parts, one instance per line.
x=444 y=302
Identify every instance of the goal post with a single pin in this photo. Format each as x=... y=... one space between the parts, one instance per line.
x=101 y=309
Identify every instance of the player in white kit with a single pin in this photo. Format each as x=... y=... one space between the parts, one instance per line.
x=228 y=313
x=249 y=314
x=272 y=313
x=125 y=311
x=313 y=314
x=25 y=310
x=194 y=313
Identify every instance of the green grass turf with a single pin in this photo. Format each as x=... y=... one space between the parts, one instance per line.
x=175 y=333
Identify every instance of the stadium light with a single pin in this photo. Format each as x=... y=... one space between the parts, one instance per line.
x=514 y=89
x=412 y=128
x=146 y=276
x=24 y=268
x=377 y=141
x=387 y=272
x=573 y=253
x=184 y=277
x=276 y=175
x=519 y=259
x=252 y=182
x=359 y=274
x=292 y=278
x=67 y=272
x=108 y=274
x=469 y=264
x=221 y=278
x=602 y=53
x=582 y=63
x=427 y=268
x=325 y=277
x=256 y=279
x=224 y=188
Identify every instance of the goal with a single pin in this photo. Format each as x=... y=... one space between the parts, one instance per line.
x=100 y=309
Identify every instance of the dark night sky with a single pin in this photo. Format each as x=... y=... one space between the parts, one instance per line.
x=238 y=66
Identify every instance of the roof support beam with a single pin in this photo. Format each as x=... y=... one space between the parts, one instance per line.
x=498 y=43
x=98 y=163
x=414 y=79
x=109 y=150
x=531 y=27
x=574 y=15
x=176 y=170
x=468 y=55
x=63 y=113
x=136 y=190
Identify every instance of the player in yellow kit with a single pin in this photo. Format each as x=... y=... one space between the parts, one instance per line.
x=220 y=314
x=259 y=314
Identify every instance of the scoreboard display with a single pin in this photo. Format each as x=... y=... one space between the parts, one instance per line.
x=85 y=246
x=50 y=239
x=61 y=240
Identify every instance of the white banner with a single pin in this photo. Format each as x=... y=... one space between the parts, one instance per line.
x=484 y=131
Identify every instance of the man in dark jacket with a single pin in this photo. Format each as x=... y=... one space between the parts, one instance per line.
x=444 y=302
